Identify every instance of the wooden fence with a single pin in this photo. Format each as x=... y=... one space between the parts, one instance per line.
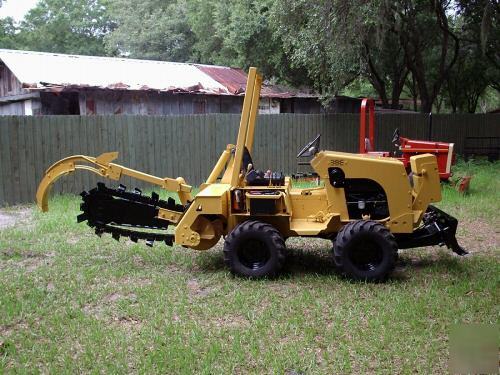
x=189 y=146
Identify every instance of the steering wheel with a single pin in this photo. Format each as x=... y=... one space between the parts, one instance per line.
x=395 y=137
x=310 y=149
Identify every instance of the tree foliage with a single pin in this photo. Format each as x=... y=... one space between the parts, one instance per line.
x=151 y=29
x=431 y=48
x=339 y=41
x=477 y=64
x=438 y=51
x=480 y=28
x=66 y=26
x=241 y=33
x=8 y=32
x=312 y=38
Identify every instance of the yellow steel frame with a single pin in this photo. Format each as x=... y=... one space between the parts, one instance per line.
x=302 y=212
x=247 y=128
x=103 y=167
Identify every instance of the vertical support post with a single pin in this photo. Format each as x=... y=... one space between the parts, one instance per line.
x=371 y=124
x=430 y=127
x=370 y=104
x=253 y=113
x=244 y=123
x=362 y=127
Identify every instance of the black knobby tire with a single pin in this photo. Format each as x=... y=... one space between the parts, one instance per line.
x=254 y=249
x=365 y=250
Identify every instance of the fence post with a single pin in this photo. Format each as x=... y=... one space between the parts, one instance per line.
x=430 y=127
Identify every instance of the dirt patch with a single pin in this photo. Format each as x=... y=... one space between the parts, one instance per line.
x=9 y=329
x=106 y=310
x=196 y=290
x=235 y=321
x=118 y=283
x=479 y=236
x=74 y=240
x=127 y=322
x=136 y=281
x=26 y=259
x=113 y=297
x=10 y=218
x=95 y=309
x=11 y=253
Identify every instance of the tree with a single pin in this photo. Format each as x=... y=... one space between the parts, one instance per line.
x=306 y=29
x=339 y=41
x=204 y=18
x=480 y=30
x=384 y=59
x=151 y=29
x=469 y=77
x=66 y=26
x=382 y=40
x=467 y=80
x=8 y=33
x=430 y=46
x=240 y=33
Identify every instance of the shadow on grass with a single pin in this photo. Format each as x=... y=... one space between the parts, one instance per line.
x=420 y=262
x=438 y=263
x=301 y=262
x=297 y=262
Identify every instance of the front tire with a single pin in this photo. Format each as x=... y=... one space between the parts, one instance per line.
x=365 y=250
x=254 y=249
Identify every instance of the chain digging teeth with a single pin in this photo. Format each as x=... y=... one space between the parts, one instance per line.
x=108 y=210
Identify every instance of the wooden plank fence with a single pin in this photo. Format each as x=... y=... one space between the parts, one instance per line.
x=189 y=146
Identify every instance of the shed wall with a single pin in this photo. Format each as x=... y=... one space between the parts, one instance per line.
x=9 y=84
x=16 y=108
x=152 y=103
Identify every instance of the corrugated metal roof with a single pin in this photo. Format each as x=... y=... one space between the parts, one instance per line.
x=38 y=70
x=233 y=79
x=53 y=71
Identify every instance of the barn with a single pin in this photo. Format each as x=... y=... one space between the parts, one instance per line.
x=37 y=83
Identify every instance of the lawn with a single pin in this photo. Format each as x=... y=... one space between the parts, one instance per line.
x=71 y=302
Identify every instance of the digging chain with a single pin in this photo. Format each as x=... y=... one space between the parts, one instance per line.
x=114 y=211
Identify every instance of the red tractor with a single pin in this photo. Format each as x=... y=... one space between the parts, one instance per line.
x=406 y=147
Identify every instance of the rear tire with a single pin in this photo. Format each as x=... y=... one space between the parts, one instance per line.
x=254 y=249
x=365 y=250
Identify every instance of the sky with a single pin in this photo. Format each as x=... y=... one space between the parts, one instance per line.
x=16 y=8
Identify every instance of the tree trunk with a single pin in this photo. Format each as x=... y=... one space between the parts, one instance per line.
x=425 y=104
x=414 y=92
x=415 y=47
x=375 y=79
x=398 y=83
x=472 y=103
x=439 y=103
x=382 y=93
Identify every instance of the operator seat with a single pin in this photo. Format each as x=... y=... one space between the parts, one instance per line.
x=247 y=161
x=258 y=178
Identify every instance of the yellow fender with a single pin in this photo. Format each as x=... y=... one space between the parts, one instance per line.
x=103 y=167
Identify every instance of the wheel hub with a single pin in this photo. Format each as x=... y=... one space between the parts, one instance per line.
x=366 y=256
x=253 y=254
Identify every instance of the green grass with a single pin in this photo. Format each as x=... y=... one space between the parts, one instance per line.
x=71 y=302
x=482 y=199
